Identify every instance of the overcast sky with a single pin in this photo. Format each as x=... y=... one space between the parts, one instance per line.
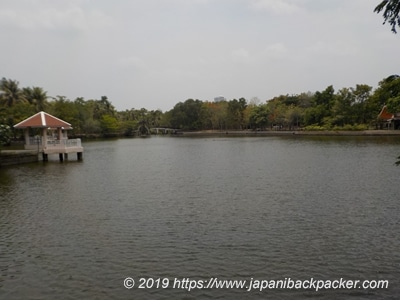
x=156 y=53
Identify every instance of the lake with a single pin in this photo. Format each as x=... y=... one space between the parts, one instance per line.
x=176 y=208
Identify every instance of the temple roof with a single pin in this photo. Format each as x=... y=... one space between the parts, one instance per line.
x=384 y=114
x=43 y=120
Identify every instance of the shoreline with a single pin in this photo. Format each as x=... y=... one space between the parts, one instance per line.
x=16 y=157
x=10 y=157
x=289 y=133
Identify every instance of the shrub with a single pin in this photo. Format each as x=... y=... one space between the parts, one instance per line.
x=315 y=127
x=348 y=127
x=5 y=135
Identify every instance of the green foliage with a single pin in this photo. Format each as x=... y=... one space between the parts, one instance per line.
x=259 y=117
x=217 y=113
x=348 y=127
x=353 y=108
x=315 y=127
x=235 y=113
x=36 y=96
x=388 y=92
x=128 y=127
x=391 y=10
x=188 y=115
x=362 y=94
x=5 y=135
x=10 y=93
x=109 y=125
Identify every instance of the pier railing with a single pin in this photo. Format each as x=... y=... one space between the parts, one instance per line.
x=64 y=143
x=53 y=145
x=34 y=141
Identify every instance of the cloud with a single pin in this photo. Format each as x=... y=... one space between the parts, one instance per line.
x=240 y=55
x=276 y=50
x=72 y=18
x=132 y=62
x=192 y=48
x=332 y=49
x=280 y=7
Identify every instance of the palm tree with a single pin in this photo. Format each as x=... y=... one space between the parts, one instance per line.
x=155 y=117
x=103 y=107
x=143 y=128
x=10 y=93
x=36 y=96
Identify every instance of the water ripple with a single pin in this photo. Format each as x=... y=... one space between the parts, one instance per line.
x=174 y=208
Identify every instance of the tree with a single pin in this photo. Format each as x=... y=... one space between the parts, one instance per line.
x=259 y=116
x=293 y=117
x=235 y=111
x=276 y=111
x=215 y=114
x=342 y=108
x=144 y=121
x=325 y=98
x=361 y=96
x=35 y=96
x=187 y=115
x=67 y=110
x=155 y=118
x=10 y=93
x=109 y=125
x=103 y=107
x=391 y=11
x=387 y=93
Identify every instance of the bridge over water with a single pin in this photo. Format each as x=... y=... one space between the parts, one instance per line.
x=163 y=130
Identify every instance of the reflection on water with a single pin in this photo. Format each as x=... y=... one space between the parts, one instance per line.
x=232 y=208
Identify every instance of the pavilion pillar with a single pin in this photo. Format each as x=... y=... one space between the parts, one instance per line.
x=26 y=133
x=59 y=133
x=44 y=144
x=44 y=140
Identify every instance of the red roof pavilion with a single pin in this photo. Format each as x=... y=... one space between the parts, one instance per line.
x=43 y=120
x=53 y=143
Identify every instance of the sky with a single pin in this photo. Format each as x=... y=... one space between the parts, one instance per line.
x=155 y=53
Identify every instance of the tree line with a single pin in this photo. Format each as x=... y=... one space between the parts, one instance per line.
x=88 y=117
x=348 y=108
x=352 y=108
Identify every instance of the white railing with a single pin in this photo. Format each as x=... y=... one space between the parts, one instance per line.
x=53 y=145
x=64 y=143
x=35 y=140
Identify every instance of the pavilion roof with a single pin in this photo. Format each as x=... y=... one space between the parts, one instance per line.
x=43 y=120
x=384 y=114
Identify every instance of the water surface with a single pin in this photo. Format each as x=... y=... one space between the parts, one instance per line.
x=232 y=208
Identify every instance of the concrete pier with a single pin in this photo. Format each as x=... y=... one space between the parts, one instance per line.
x=15 y=157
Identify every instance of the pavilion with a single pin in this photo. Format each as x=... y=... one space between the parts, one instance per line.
x=53 y=138
x=389 y=120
